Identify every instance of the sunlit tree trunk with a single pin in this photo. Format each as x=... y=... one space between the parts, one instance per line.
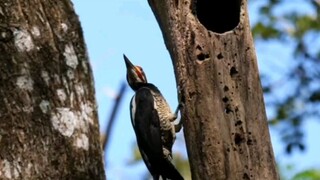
x=225 y=123
x=48 y=115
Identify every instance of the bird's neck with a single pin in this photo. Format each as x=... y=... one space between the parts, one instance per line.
x=137 y=86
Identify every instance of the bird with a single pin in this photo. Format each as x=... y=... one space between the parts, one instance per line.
x=153 y=124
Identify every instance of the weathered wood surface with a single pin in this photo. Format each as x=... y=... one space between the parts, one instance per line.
x=225 y=123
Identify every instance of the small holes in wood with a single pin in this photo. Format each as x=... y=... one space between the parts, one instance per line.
x=225 y=99
x=202 y=56
x=238 y=123
x=238 y=139
x=233 y=71
x=220 y=56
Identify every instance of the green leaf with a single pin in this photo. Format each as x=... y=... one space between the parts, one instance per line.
x=308 y=175
x=136 y=156
x=265 y=31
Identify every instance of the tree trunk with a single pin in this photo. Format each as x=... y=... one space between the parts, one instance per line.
x=48 y=114
x=225 y=123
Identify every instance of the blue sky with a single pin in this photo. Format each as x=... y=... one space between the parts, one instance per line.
x=114 y=27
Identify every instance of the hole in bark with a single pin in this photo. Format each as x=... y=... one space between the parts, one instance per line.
x=233 y=71
x=225 y=99
x=245 y=176
x=202 y=56
x=249 y=142
x=226 y=88
x=220 y=56
x=238 y=139
x=176 y=3
x=228 y=109
x=218 y=16
x=198 y=47
x=236 y=109
x=238 y=123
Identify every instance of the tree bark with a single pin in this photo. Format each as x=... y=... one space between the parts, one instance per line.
x=48 y=114
x=225 y=123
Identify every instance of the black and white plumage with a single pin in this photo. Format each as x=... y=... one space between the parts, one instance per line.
x=152 y=121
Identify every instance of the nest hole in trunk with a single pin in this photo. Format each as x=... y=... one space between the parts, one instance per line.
x=218 y=15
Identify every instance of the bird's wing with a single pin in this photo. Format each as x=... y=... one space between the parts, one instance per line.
x=146 y=124
x=145 y=121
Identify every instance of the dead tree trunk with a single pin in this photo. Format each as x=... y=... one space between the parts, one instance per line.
x=215 y=65
x=48 y=115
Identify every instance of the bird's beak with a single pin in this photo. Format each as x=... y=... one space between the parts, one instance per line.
x=129 y=65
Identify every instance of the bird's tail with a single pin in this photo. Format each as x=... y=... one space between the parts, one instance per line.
x=169 y=171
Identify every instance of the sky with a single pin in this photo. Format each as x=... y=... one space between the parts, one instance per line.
x=116 y=27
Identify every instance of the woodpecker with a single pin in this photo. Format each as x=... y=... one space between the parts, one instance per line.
x=153 y=124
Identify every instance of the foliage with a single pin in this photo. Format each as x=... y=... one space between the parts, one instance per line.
x=308 y=175
x=297 y=25
x=289 y=172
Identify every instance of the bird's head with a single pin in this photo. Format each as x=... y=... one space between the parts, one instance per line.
x=135 y=74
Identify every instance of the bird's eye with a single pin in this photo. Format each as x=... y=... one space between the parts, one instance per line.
x=139 y=72
x=140 y=68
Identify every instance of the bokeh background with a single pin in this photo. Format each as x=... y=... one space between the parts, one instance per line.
x=288 y=48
